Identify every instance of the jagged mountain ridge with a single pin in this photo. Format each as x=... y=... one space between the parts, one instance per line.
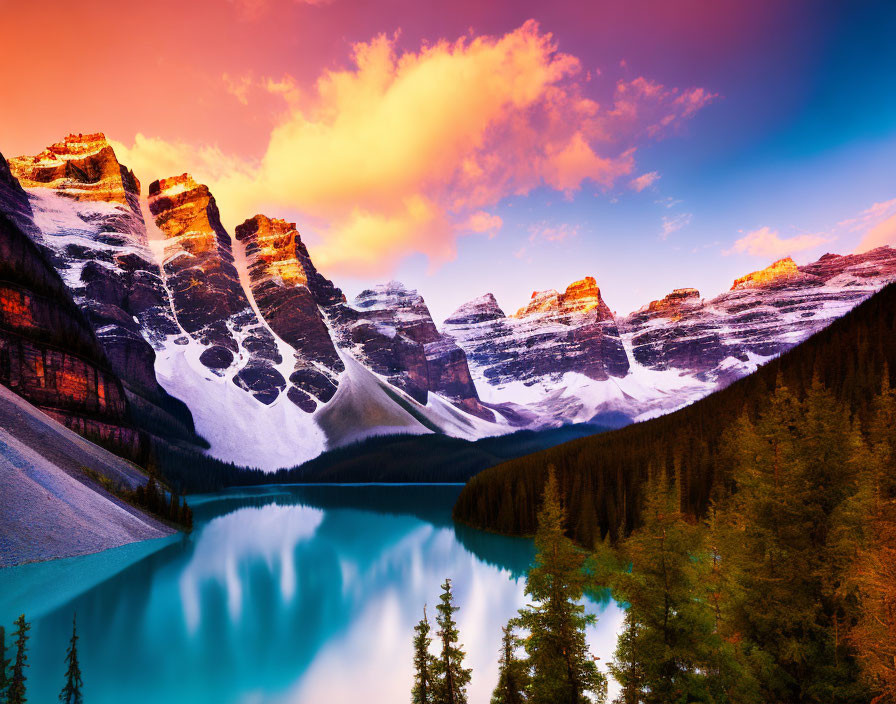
x=236 y=351
x=276 y=365
x=763 y=314
x=676 y=349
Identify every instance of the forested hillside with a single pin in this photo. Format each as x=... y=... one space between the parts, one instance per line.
x=434 y=457
x=603 y=477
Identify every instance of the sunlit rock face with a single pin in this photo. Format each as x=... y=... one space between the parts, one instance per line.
x=580 y=298
x=86 y=214
x=680 y=298
x=208 y=298
x=82 y=167
x=555 y=333
x=764 y=314
x=288 y=291
x=198 y=260
x=780 y=273
x=389 y=328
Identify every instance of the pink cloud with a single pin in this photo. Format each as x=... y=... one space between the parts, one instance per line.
x=769 y=244
x=881 y=234
x=644 y=181
x=482 y=222
x=877 y=223
x=545 y=232
x=256 y=9
x=674 y=223
x=403 y=152
x=548 y=232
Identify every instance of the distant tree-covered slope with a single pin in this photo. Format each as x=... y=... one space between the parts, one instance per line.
x=387 y=459
x=602 y=477
x=432 y=458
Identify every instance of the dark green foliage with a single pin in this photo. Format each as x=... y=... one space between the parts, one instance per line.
x=562 y=670
x=630 y=665
x=795 y=525
x=671 y=649
x=151 y=497
x=71 y=692
x=15 y=693
x=513 y=673
x=422 y=691
x=191 y=471
x=604 y=476
x=450 y=677
x=436 y=457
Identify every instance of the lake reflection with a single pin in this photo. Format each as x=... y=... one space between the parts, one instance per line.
x=281 y=594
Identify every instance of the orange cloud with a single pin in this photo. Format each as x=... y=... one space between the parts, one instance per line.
x=238 y=87
x=767 y=243
x=402 y=153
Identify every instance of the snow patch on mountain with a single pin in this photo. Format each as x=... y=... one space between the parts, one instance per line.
x=239 y=428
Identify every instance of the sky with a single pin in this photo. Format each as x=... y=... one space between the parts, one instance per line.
x=467 y=147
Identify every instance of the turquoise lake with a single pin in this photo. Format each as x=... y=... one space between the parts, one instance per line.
x=293 y=594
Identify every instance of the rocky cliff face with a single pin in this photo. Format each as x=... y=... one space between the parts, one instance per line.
x=389 y=329
x=208 y=298
x=764 y=314
x=554 y=334
x=49 y=355
x=288 y=291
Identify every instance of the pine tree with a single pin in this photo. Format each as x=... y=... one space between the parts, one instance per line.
x=627 y=667
x=71 y=692
x=4 y=665
x=186 y=515
x=562 y=670
x=660 y=654
x=422 y=691
x=800 y=514
x=451 y=678
x=874 y=635
x=173 y=507
x=874 y=570
x=513 y=675
x=16 y=692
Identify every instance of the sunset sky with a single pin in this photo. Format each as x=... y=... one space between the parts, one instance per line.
x=465 y=147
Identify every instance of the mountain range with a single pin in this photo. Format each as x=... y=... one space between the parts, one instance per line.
x=235 y=344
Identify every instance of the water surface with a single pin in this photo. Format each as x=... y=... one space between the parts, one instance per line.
x=281 y=594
